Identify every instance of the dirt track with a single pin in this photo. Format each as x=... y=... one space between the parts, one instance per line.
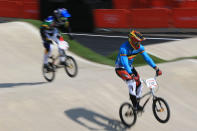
x=88 y=102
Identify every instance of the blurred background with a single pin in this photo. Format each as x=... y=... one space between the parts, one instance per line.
x=117 y=14
x=91 y=100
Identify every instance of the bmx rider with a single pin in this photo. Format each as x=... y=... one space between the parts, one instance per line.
x=125 y=70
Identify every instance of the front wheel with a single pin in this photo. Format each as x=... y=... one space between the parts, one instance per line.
x=161 y=110
x=71 y=67
x=49 y=74
x=127 y=114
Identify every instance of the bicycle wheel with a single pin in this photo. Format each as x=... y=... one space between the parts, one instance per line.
x=161 y=110
x=49 y=75
x=71 y=67
x=127 y=114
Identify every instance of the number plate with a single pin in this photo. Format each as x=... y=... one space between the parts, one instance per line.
x=63 y=45
x=151 y=83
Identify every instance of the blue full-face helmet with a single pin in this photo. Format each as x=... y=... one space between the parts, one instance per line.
x=65 y=13
x=49 y=21
x=61 y=12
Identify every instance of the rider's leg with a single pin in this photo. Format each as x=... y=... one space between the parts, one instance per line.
x=45 y=57
x=132 y=92
x=122 y=73
x=139 y=91
x=133 y=96
x=133 y=100
x=138 y=88
x=47 y=53
x=138 y=95
x=131 y=85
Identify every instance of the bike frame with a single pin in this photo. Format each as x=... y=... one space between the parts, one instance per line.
x=151 y=93
x=131 y=113
x=54 y=56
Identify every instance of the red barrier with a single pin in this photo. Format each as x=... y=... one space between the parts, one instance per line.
x=129 y=4
x=33 y=1
x=111 y=18
x=150 y=18
x=31 y=10
x=189 y=4
x=123 y=4
x=142 y=4
x=10 y=9
x=19 y=8
x=161 y=3
x=185 y=17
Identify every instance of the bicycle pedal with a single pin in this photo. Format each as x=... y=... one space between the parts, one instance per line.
x=140 y=113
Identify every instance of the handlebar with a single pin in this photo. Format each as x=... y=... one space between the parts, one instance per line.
x=151 y=83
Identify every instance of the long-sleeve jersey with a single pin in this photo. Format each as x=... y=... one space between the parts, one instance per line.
x=49 y=33
x=127 y=55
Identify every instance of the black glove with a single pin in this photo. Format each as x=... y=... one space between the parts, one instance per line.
x=158 y=71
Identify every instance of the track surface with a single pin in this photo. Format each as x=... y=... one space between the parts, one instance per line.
x=88 y=102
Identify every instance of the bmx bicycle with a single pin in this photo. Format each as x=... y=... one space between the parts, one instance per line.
x=70 y=65
x=161 y=110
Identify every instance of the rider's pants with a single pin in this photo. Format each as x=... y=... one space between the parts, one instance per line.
x=135 y=87
x=133 y=90
x=48 y=52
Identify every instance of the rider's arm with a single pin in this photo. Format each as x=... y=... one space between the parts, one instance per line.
x=147 y=58
x=124 y=60
x=56 y=35
x=61 y=22
x=44 y=34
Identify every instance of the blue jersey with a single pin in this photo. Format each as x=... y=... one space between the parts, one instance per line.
x=127 y=55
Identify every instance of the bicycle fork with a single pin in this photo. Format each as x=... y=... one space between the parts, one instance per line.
x=161 y=109
x=153 y=95
x=62 y=55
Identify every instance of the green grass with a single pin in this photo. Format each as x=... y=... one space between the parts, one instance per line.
x=88 y=54
x=183 y=58
x=36 y=23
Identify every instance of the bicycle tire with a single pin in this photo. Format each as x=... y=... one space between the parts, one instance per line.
x=69 y=65
x=134 y=115
x=161 y=102
x=52 y=72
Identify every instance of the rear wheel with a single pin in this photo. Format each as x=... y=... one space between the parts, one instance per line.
x=127 y=114
x=71 y=67
x=49 y=74
x=161 y=110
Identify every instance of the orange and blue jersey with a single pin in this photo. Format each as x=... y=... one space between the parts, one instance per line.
x=127 y=54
